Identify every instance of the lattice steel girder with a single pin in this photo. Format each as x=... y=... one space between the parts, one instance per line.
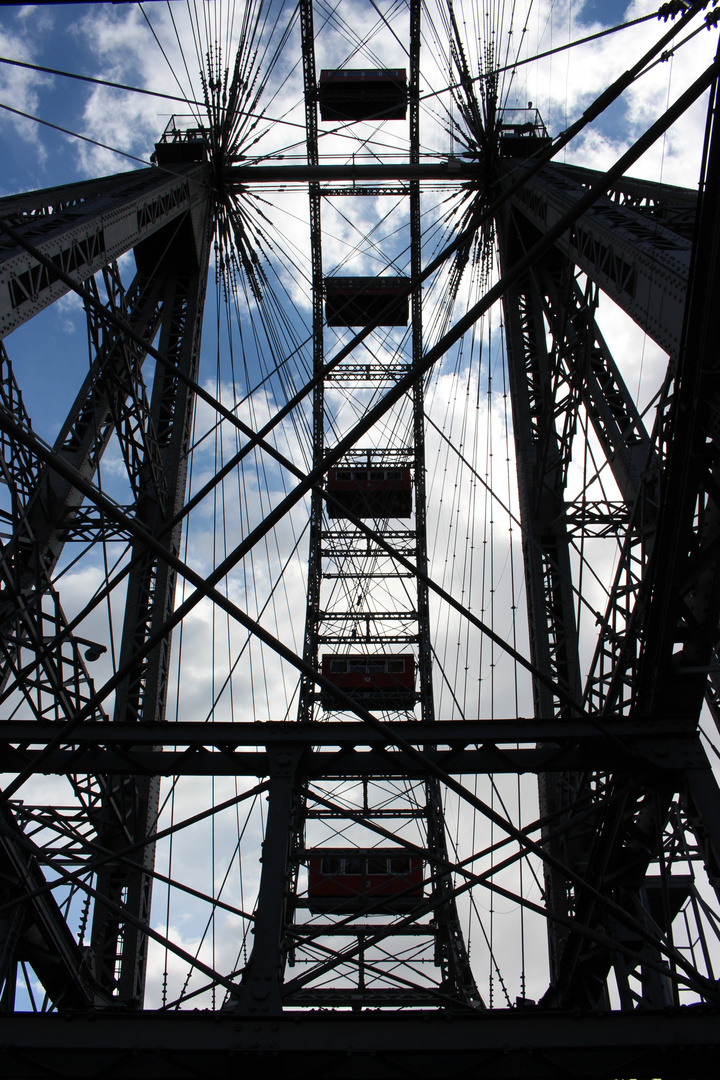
x=642 y=823
x=596 y=518
x=58 y=689
x=674 y=207
x=642 y=265
x=547 y=381
x=151 y=585
x=328 y=620
x=522 y=1044
x=80 y=240
x=368 y=616
x=370 y=374
x=626 y=254
x=312 y=602
x=18 y=209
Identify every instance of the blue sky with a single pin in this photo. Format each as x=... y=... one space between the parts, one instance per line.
x=114 y=42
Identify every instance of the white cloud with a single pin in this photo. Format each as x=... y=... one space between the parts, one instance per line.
x=19 y=87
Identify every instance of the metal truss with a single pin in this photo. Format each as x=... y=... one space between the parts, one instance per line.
x=79 y=231
x=346 y=612
x=624 y=850
x=552 y=385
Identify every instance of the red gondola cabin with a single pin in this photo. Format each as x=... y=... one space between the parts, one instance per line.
x=372 y=492
x=376 y=682
x=359 y=301
x=367 y=94
x=380 y=880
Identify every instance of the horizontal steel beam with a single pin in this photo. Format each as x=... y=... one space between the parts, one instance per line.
x=453 y=169
x=521 y=1043
x=349 y=732
x=350 y=749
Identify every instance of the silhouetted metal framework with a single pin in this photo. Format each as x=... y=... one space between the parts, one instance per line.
x=626 y=787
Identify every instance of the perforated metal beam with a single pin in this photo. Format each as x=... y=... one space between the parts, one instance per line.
x=81 y=237
x=641 y=264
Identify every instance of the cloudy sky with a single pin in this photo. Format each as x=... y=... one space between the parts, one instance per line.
x=474 y=537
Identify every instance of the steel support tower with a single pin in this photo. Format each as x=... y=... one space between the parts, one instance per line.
x=353 y=954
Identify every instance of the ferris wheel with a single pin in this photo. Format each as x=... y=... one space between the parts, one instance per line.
x=359 y=562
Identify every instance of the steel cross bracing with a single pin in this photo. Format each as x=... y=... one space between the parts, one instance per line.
x=626 y=788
